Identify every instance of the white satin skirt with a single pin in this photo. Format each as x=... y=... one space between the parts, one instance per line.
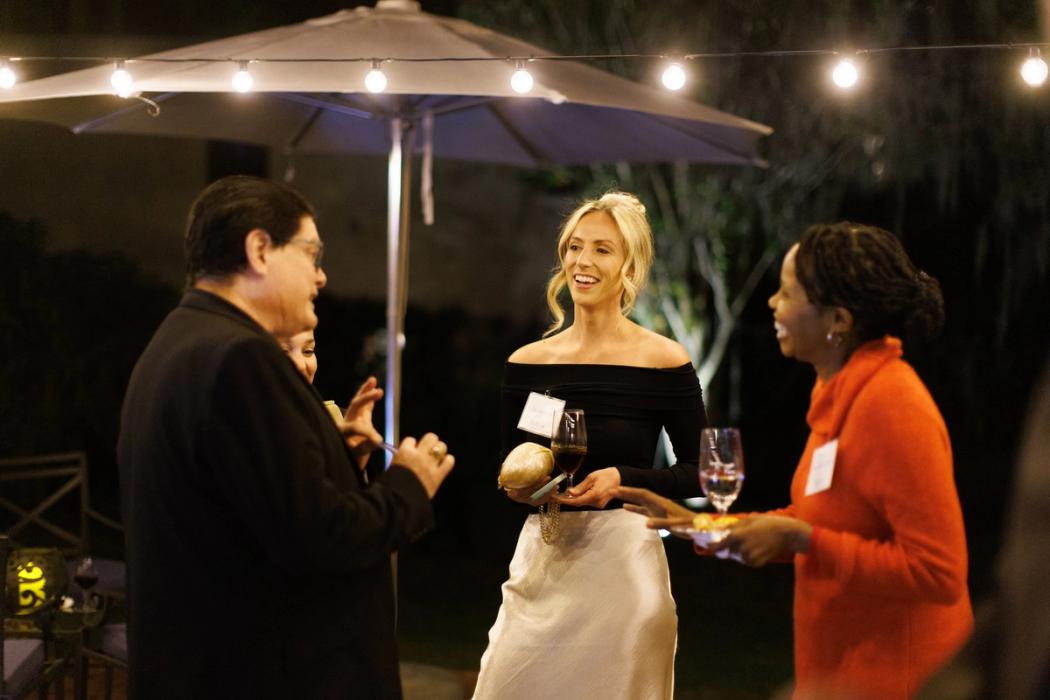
x=589 y=616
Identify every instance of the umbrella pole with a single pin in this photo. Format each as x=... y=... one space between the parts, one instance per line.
x=399 y=181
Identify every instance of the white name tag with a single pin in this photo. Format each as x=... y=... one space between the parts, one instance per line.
x=539 y=413
x=822 y=468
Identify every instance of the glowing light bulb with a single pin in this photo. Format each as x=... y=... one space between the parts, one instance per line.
x=1034 y=70
x=845 y=74
x=121 y=81
x=375 y=80
x=673 y=77
x=521 y=82
x=7 y=76
x=242 y=79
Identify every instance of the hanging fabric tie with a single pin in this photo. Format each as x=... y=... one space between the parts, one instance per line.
x=426 y=187
x=289 y=167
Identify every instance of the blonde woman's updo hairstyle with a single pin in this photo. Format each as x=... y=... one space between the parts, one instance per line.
x=629 y=214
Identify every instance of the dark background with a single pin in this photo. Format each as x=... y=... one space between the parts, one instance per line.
x=964 y=153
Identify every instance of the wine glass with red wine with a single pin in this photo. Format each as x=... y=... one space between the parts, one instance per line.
x=569 y=441
x=86 y=577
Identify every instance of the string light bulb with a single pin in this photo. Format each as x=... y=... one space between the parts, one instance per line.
x=521 y=81
x=375 y=80
x=673 y=76
x=1034 y=70
x=242 y=79
x=7 y=75
x=121 y=80
x=845 y=74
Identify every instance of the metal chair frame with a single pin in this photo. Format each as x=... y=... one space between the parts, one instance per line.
x=67 y=472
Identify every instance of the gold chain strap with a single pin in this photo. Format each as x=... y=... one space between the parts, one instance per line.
x=550 y=521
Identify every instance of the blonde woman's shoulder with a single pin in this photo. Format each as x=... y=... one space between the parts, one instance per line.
x=540 y=352
x=660 y=351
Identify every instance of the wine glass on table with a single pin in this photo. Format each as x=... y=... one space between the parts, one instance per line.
x=569 y=441
x=721 y=468
x=86 y=577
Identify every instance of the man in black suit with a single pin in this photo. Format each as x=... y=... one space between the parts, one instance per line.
x=258 y=558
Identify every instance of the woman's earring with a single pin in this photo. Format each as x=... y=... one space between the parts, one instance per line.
x=834 y=339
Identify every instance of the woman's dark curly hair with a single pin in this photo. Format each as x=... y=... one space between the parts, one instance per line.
x=865 y=270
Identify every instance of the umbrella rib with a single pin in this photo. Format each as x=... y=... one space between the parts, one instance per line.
x=742 y=155
x=518 y=137
x=327 y=104
x=304 y=129
x=453 y=106
x=98 y=121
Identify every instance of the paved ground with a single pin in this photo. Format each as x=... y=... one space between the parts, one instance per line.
x=420 y=682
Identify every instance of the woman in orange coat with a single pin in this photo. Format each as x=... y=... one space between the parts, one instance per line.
x=874 y=526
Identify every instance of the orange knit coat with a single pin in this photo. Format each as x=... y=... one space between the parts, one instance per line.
x=880 y=597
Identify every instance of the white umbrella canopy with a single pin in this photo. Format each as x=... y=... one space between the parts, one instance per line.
x=308 y=97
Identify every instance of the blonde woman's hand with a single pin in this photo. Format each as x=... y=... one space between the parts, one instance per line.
x=597 y=489
x=524 y=494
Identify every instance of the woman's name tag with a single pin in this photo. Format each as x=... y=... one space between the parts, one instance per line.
x=539 y=413
x=822 y=468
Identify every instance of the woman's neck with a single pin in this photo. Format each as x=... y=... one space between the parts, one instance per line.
x=593 y=327
x=835 y=359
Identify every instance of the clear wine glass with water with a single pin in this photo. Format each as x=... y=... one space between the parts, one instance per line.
x=569 y=441
x=721 y=466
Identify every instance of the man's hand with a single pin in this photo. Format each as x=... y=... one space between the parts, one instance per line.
x=597 y=489
x=759 y=539
x=663 y=513
x=428 y=460
x=361 y=436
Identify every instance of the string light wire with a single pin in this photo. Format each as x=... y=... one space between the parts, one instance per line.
x=376 y=81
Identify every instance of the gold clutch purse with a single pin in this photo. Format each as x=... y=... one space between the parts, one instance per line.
x=527 y=464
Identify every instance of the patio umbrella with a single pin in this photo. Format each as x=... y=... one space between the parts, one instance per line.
x=309 y=97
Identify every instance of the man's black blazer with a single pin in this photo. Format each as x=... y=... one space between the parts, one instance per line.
x=258 y=560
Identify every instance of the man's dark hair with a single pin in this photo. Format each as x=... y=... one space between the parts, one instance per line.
x=864 y=269
x=226 y=211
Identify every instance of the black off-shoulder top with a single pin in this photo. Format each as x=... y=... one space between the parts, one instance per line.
x=625 y=408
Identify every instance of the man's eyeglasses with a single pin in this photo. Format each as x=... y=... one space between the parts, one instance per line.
x=314 y=248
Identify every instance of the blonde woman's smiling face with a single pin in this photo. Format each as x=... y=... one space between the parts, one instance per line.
x=594 y=257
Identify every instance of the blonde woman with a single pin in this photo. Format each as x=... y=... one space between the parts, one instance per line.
x=587 y=611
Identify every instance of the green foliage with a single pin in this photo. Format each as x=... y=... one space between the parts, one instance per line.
x=943 y=146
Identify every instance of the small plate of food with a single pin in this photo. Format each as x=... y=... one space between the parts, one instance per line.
x=707 y=529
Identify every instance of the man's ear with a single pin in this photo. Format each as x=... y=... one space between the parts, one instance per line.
x=257 y=249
